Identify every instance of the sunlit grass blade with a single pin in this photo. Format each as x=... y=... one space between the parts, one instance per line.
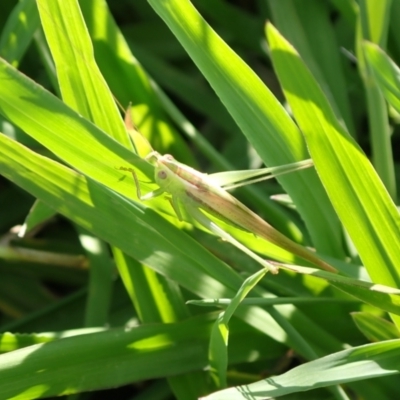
x=234 y=179
x=95 y=355
x=218 y=350
x=359 y=363
x=358 y=195
x=383 y=297
x=129 y=82
x=38 y=214
x=18 y=31
x=373 y=25
x=262 y=301
x=101 y=276
x=375 y=328
x=65 y=133
x=258 y=113
x=385 y=72
x=310 y=31
x=82 y=86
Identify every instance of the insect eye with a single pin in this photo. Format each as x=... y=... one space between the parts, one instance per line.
x=162 y=174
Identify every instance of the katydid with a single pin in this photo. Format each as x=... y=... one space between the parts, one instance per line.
x=196 y=192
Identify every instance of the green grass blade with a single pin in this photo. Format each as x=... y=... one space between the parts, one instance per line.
x=65 y=133
x=374 y=19
x=385 y=72
x=218 y=350
x=258 y=113
x=261 y=301
x=82 y=86
x=374 y=328
x=38 y=214
x=184 y=86
x=359 y=363
x=18 y=31
x=383 y=297
x=374 y=22
x=84 y=89
x=310 y=31
x=358 y=195
x=10 y=341
x=95 y=355
x=101 y=280
x=106 y=359
x=129 y=82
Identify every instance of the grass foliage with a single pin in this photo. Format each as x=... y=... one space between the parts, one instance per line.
x=103 y=293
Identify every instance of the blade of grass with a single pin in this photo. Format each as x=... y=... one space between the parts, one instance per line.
x=101 y=279
x=385 y=72
x=358 y=195
x=129 y=82
x=105 y=359
x=374 y=23
x=374 y=328
x=309 y=30
x=18 y=31
x=82 y=86
x=218 y=348
x=359 y=363
x=259 y=115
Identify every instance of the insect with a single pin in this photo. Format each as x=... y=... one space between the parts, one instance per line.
x=200 y=194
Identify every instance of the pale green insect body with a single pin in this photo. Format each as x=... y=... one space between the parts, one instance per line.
x=191 y=189
x=173 y=178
